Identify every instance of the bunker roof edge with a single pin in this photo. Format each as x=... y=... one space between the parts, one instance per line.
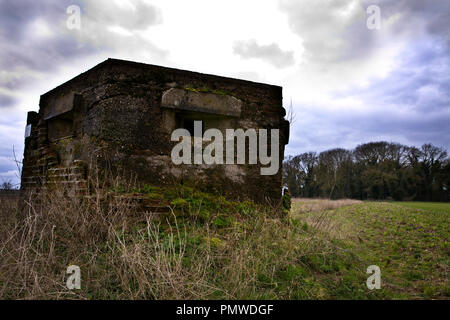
x=113 y=61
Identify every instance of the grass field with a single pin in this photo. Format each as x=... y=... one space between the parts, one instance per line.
x=408 y=241
x=211 y=248
x=439 y=207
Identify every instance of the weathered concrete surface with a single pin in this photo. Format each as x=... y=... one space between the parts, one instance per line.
x=221 y=104
x=120 y=115
x=60 y=105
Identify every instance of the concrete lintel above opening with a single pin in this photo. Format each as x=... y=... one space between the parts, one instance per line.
x=62 y=106
x=206 y=102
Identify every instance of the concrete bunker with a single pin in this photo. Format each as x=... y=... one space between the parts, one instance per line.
x=124 y=113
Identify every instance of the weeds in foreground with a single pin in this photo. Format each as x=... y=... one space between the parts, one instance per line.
x=205 y=248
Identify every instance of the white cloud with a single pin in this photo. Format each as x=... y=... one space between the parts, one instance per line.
x=272 y=53
x=40 y=29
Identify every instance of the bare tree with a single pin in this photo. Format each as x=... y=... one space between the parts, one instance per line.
x=290 y=114
x=7 y=185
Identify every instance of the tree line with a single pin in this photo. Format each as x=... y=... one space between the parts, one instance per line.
x=375 y=170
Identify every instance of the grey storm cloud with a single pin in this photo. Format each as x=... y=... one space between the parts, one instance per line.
x=271 y=53
x=23 y=55
x=432 y=15
x=409 y=105
x=20 y=49
x=395 y=110
x=335 y=30
x=7 y=100
x=323 y=24
x=421 y=82
x=318 y=130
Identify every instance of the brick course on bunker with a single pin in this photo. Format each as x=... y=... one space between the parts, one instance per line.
x=121 y=114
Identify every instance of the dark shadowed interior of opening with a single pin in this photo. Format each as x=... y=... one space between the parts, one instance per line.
x=185 y=120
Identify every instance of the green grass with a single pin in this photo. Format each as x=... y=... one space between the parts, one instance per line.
x=439 y=207
x=410 y=246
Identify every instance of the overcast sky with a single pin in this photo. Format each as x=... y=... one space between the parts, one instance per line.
x=348 y=84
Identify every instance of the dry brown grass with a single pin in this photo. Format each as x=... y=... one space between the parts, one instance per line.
x=124 y=255
x=42 y=234
x=247 y=254
x=317 y=205
x=323 y=219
